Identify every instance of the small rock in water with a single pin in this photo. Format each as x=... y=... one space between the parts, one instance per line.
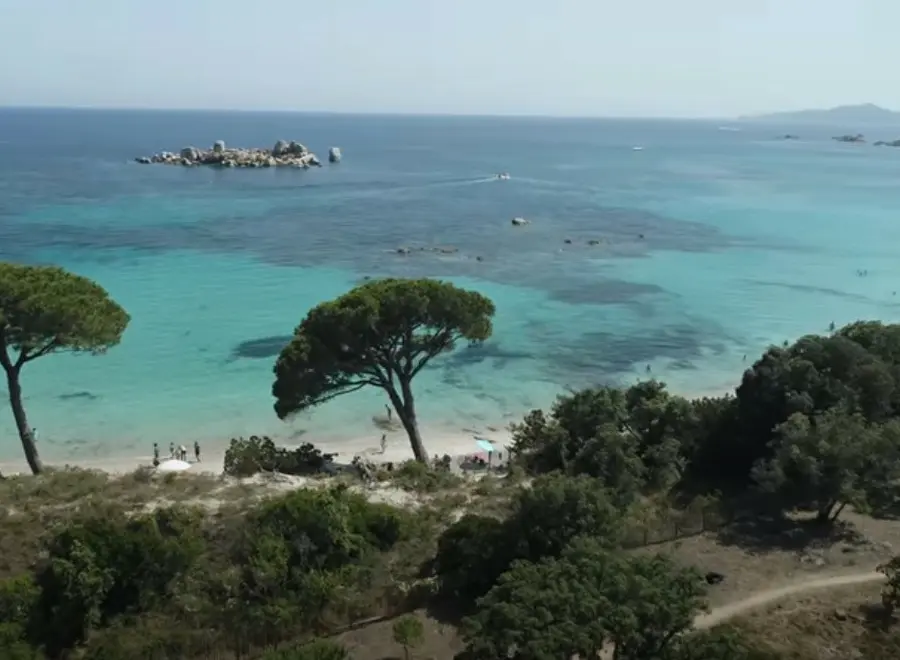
x=334 y=155
x=518 y=222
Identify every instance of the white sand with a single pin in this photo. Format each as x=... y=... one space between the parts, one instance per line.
x=459 y=443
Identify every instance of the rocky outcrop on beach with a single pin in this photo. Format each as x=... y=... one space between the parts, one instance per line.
x=282 y=154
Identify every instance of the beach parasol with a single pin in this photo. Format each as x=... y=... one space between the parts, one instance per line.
x=485 y=444
x=173 y=465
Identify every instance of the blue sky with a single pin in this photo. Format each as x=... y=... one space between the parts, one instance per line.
x=553 y=57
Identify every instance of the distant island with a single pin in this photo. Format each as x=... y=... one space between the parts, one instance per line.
x=866 y=113
x=290 y=154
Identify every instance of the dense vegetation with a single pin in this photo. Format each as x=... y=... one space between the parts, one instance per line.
x=545 y=574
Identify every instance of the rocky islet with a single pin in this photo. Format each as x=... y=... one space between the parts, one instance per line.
x=282 y=154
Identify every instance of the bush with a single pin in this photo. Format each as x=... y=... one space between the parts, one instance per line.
x=18 y=597
x=318 y=649
x=471 y=555
x=100 y=568
x=324 y=529
x=476 y=550
x=246 y=457
x=301 y=555
x=421 y=478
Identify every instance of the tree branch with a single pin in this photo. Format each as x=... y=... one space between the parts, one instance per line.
x=25 y=356
x=347 y=388
x=445 y=337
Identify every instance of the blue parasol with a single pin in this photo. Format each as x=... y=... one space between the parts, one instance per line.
x=485 y=444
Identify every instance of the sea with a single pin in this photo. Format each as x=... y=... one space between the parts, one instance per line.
x=677 y=250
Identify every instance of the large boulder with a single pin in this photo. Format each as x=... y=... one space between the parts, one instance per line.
x=281 y=148
x=334 y=155
x=219 y=146
x=297 y=148
x=190 y=153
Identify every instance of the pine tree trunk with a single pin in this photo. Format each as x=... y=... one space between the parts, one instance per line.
x=405 y=406
x=25 y=432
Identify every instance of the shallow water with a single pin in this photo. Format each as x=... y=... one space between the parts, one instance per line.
x=714 y=245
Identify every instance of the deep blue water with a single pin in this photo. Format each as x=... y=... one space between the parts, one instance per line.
x=715 y=243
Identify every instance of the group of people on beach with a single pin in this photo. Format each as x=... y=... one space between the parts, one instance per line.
x=179 y=453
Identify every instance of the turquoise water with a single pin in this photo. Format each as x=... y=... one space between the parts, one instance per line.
x=715 y=244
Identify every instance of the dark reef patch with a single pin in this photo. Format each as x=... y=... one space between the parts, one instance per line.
x=258 y=349
x=466 y=356
x=606 y=291
x=84 y=394
x=603 y=357
x=474 y=225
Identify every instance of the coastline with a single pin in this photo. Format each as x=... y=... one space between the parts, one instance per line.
x=440 y=439
x=459 y=443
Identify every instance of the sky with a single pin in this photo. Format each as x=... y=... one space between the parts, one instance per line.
x=667 y=58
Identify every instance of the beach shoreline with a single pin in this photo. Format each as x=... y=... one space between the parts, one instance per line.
x=440 y=439
x=398 y=450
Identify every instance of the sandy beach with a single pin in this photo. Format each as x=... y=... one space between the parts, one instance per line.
x=439 y=440
x=438 y=443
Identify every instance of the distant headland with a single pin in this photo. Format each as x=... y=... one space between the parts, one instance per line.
x=283 y=154
x=865 y=113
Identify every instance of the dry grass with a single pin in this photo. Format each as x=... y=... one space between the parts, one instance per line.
x=376 y=641
x=31 y=507
x=840 y=624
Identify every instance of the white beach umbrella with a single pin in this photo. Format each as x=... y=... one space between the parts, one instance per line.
x=173 y=465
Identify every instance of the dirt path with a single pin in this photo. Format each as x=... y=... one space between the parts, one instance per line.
x=720 y=614
x=725 y=612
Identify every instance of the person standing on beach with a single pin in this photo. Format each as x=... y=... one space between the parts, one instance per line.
x=383 y=442
x=390 y=413
x=197 y=450
x=182 y=452
x=171 y=450
x=156 y=452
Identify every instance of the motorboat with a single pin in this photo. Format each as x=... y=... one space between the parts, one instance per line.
x=503 y=176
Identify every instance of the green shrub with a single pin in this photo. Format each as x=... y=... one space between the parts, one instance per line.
x=318 y=649
x=418 y=477
x=100 y=568
x=476 y=550
x=246 y=457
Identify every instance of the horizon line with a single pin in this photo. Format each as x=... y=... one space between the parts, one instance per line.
x=359 y=113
